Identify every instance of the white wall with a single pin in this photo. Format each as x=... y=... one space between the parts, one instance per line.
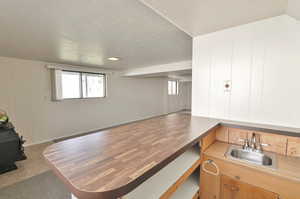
x=188 y=89
x=25 y=92
x=262 y=60
x=182 y=100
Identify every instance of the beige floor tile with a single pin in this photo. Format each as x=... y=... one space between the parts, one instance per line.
x=34 y=165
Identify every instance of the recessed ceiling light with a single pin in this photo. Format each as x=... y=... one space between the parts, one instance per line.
x=113 y=58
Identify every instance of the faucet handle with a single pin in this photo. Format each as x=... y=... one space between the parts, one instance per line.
x=258 y=144
x=253 y=142
x=264 y=144
x=259 y=148
x=246 y=143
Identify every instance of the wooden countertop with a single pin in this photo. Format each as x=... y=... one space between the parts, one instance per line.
x=111 y=163
x=287 y=167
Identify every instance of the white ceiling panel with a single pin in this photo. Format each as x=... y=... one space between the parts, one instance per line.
x=198 y=17
x=86 y=33
x=293 y=8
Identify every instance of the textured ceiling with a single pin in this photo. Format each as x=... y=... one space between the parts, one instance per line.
x=197 y=17
x=86 y=33
x=293 y=8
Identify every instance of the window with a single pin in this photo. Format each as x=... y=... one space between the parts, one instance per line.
x=93 y=85
x=70 y=85
x=76 y=85
x=172 y=87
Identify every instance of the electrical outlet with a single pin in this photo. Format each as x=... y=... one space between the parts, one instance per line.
x=227 y=85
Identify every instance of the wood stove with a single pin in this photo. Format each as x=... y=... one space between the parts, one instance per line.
x=11 y=148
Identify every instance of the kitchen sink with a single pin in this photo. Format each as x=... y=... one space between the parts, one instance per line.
x=264 y=159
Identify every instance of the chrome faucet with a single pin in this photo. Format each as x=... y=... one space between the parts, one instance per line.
x=258 y=145
x=246 y=145
x=254 y=144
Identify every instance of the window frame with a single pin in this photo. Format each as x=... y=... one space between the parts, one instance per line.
x=81 y=88
x=176 y=87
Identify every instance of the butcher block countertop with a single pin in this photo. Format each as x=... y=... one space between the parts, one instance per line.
x=113 y=162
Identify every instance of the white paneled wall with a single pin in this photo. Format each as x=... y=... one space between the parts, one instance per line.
x=262 y=61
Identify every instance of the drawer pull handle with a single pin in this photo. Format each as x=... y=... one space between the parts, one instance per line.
x=212 y=163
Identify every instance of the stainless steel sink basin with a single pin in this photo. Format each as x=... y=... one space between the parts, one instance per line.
x=265 y=159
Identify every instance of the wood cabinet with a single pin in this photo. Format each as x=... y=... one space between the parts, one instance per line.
x=272 y=142
x=222 y=134
x=286 y=188
x=224 y=187
x=237 y=136
x=293 y=148
x=237 y=181
x=209 y=185
x=234 y=189
x=280 y=144
x=208 y=140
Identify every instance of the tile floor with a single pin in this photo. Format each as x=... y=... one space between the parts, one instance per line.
x=33 y=166
x=33 y=179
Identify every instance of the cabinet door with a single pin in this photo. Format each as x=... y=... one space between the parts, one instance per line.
x=234 y=189
x=231 y=189
x=209 y=184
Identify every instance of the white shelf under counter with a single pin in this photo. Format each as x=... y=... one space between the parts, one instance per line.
x=188 y=189
x=158 y=184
